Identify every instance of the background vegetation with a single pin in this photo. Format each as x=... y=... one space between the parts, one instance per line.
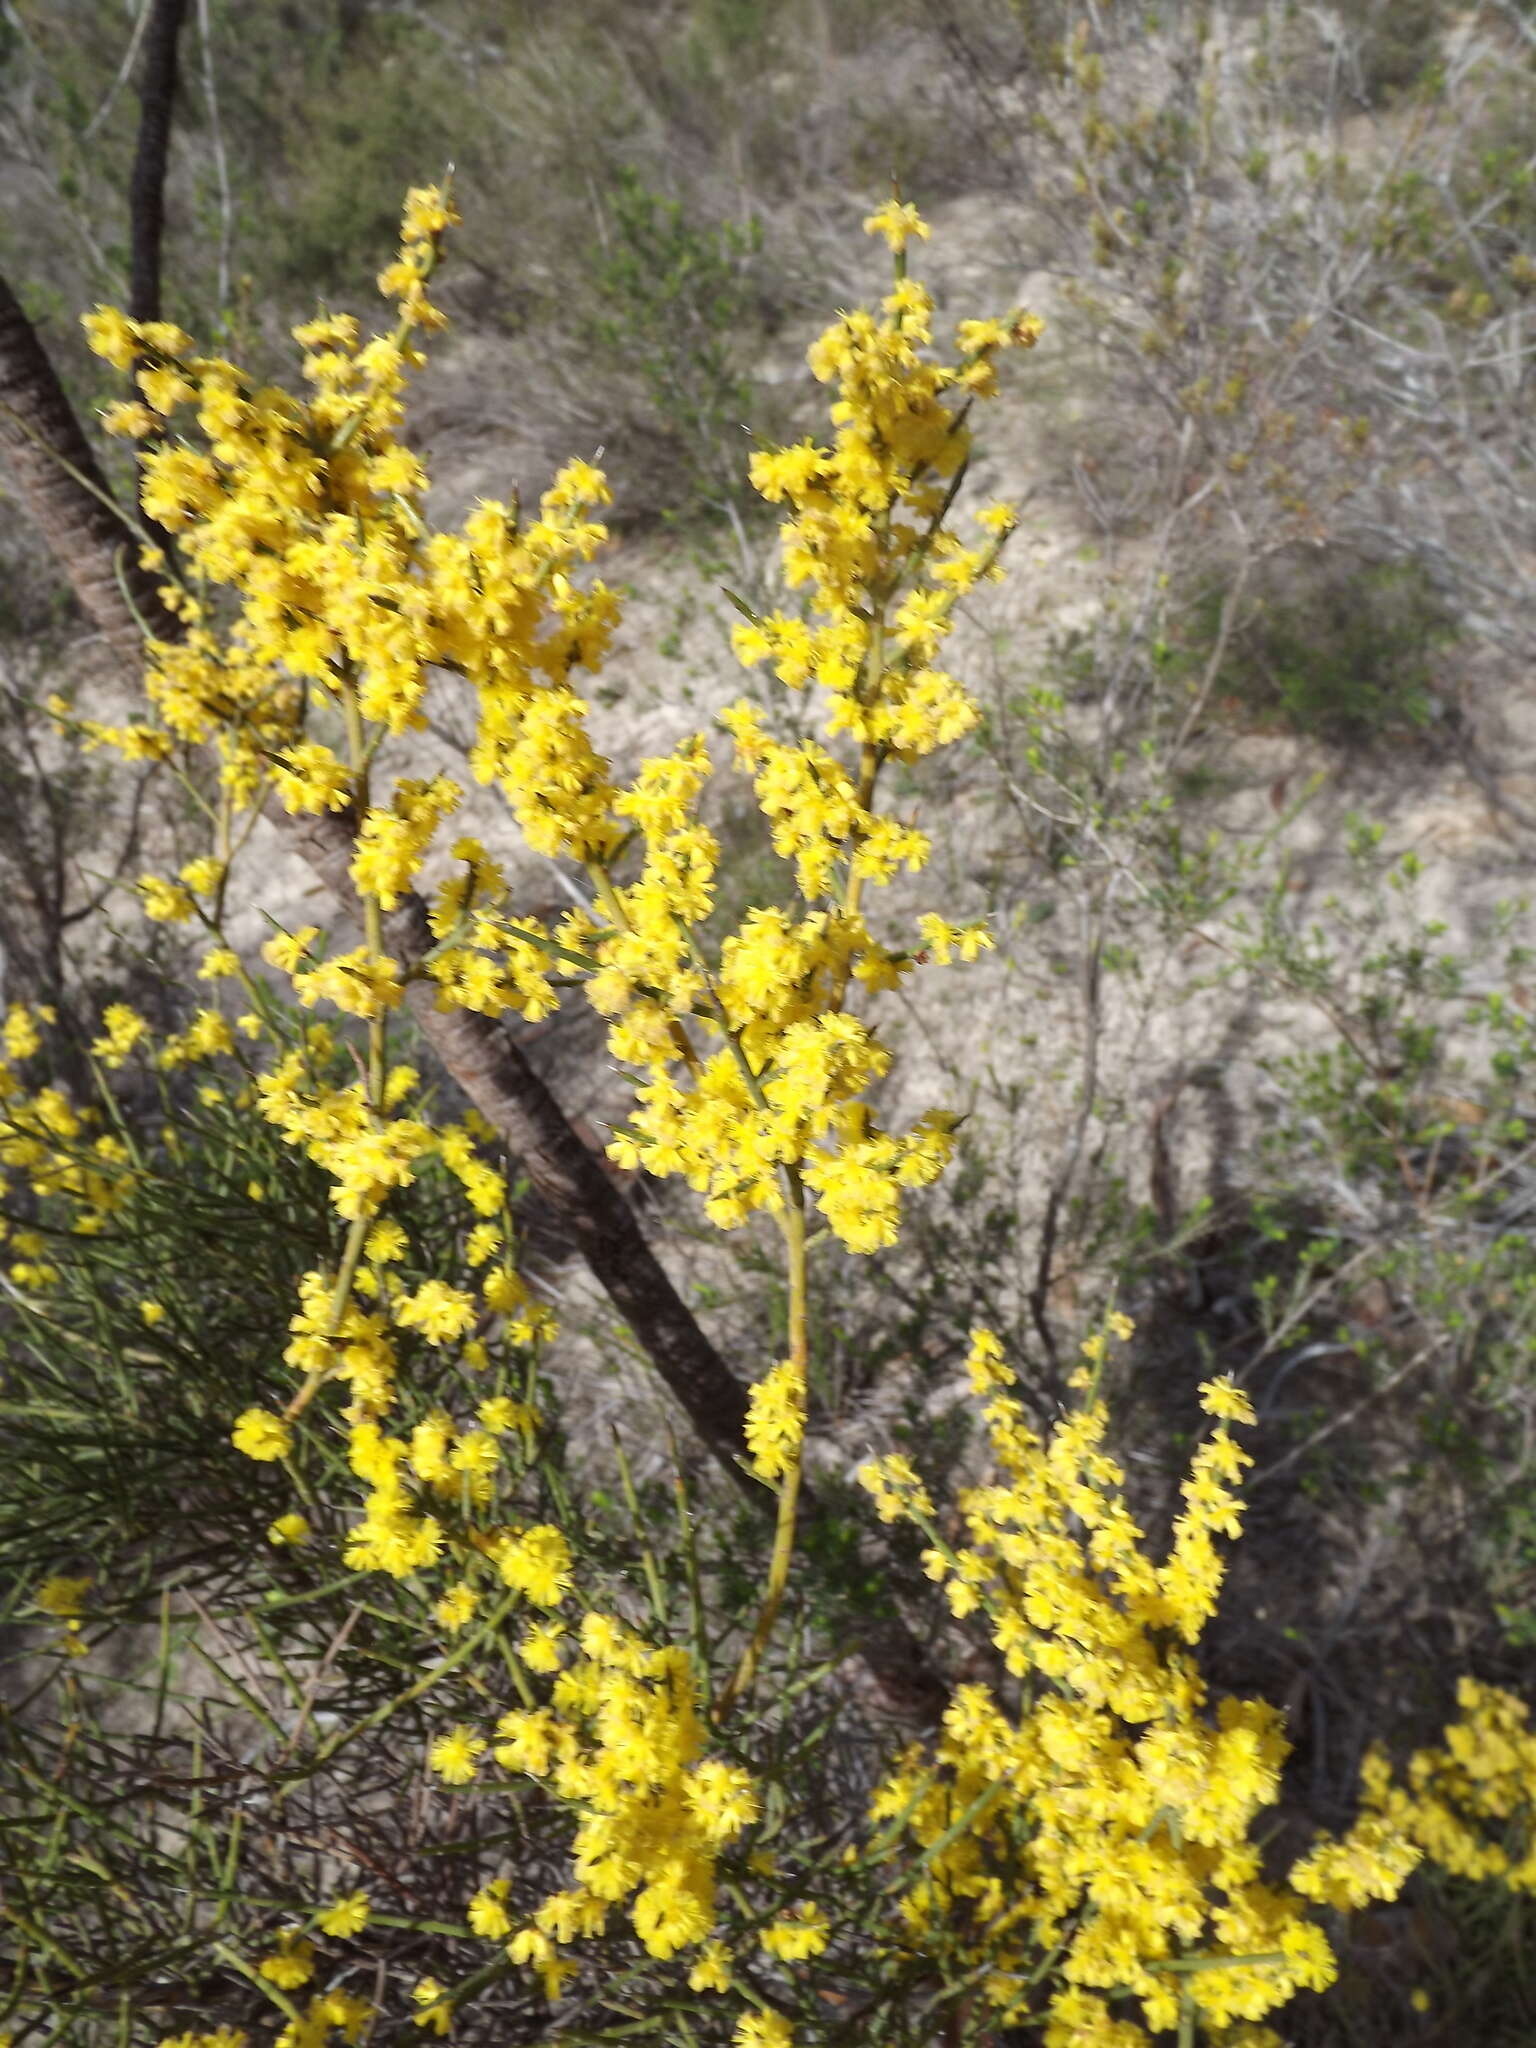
x=1252 y=811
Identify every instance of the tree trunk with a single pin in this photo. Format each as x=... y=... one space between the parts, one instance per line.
x=68 y=495
x=146 y=190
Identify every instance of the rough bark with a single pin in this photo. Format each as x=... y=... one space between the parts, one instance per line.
x=67 y=493
x=146 y=189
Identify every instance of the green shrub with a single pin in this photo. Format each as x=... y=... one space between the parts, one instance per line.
x=349 y=146
x=1396 y=43
x=676 y=298
x=1329 y=644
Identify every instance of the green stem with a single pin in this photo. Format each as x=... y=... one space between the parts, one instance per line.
x=647 y=1555
x=793 y=1222
x=461 y=1655
x=341 y=1294
x=373 y=915
x=698 y=1632
x=618 y=917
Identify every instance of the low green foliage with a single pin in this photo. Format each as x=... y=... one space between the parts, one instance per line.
x=1329 y=644
x=677 y=299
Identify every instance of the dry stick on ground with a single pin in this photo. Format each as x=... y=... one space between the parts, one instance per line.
x=85 y=533
x=1064 y=1179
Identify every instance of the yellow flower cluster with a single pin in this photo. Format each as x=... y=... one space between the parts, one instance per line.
x=866 y=532
x=440 y=1470
x=622 y=1740
x=1469 y=1806
x=781 y=1105
x=337 y=2012
x=122 y=1028
x=63 y=1599
x=366 y=1155
x=310 y=510
x=1107 y=1820
x=776 y=1420
x=58 y=1148
x=391 y=843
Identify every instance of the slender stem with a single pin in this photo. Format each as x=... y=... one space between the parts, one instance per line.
x=870 y=759
x=793 y=1223
x=373 y=915
x=618 y=917
x=351 y=1259
x=869 y=756
x=413 y=1692
x=235 y=1961
x=373 y=926
x=647 y=1555
x=697 y=1630
x=1186 y=2021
